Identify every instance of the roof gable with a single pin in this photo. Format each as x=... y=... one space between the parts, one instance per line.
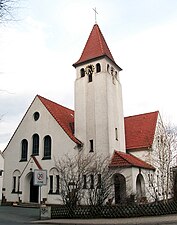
x=121 y=159
x=95 y=47
x=63 y=116
x=140 y=130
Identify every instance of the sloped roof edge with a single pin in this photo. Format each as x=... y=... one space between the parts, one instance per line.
x=121 y=159
x=63 y=118
x=95 y=47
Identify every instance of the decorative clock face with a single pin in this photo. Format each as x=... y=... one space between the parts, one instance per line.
x=89 y=69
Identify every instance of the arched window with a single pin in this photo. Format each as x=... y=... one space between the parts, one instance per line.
x=24 y=150
x=116 y=75
x=16 y=181
x=47 y=147
x=108 y=68
x=98 y=68
x=82 y=71
x=54 y=181
x=90 y=77
x=140 y=187
x=35 y=150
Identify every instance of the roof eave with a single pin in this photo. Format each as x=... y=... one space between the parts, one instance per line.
x=128 y=166
x=141 y=148
x=79 y=63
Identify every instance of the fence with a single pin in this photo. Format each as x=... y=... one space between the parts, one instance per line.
x=114 y=211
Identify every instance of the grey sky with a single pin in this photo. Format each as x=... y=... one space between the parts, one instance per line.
x=37 y=53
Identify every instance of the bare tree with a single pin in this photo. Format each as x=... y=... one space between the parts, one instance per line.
x=84 y=179
x=7 y=10
x=163 y=157
x=100 y=182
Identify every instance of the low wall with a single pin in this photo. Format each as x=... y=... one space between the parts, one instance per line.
x=114 y=211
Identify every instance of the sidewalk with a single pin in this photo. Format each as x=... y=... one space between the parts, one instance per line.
x=168 y=219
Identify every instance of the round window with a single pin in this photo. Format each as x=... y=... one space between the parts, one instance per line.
x=36 y=116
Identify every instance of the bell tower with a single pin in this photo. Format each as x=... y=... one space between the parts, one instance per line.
x=99 y=120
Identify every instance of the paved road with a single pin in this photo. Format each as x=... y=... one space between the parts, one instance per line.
x=28 y=216
x=16 y=216
x=164 y=220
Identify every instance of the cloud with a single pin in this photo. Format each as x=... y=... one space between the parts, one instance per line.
x=149 y=75
x=37 y=56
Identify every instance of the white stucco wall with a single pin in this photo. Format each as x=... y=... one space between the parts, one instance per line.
x=61 y=144
x=99 y=109
x=153 y=180
x=1 y=176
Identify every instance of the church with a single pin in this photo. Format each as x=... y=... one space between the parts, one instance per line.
x=96 y=125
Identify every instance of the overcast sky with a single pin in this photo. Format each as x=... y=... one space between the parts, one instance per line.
x=37 y=53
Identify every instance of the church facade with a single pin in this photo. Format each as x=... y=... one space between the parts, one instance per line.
x=97 y=125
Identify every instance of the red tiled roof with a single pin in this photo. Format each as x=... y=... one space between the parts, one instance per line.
x=140 y=130
x=95 y=47
x=121 y=159
x=63 y=115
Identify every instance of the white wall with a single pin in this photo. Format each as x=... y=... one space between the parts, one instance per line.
x=99 y=109
x=1 y=177
x=45 y=125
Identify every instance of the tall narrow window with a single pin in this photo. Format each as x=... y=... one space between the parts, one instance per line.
x=14 y=184
x=108 y=68
x=91 y=145
x=51 y=184
x=84 y=181
x=57 y=184
x=82 y=71
x=54 y=181
x=91 y=181
x=18 y=187
x=47 y=147
x=35 y=150
x=116 y=134
x=24 y=150
x=116 y=75
x=99 y=181
x=98 y=68
x=90 y=77
x=16 y=181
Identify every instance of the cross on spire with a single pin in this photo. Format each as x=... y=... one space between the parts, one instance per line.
x=95 y=14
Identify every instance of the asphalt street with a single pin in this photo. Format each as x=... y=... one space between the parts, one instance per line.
x=18 y=215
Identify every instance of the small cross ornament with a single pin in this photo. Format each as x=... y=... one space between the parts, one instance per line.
x=95 y=14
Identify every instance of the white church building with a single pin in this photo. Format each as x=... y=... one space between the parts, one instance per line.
x=1 y=173
x=49 y=130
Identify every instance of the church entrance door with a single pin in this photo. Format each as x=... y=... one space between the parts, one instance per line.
x=34 y=191
x=119 y=188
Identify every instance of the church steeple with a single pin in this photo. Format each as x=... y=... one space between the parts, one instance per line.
x=98 y=118
x=96 y=47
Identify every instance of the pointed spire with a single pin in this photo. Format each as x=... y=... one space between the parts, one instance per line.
x=95 y=47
